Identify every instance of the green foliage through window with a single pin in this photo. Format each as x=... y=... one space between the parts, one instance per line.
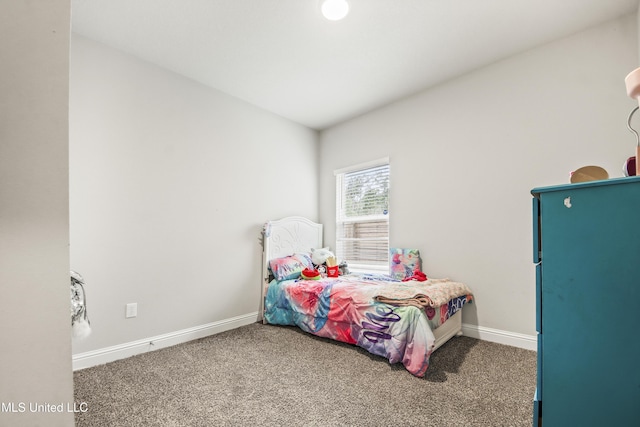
x=366 y=192
x=362 y=218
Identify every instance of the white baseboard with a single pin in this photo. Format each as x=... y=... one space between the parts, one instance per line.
x=513 y=339
x=122 y=351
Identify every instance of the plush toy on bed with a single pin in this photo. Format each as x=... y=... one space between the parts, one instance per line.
x=325 y=262
x=310 y=274
x=319 y=256
x=344 y=268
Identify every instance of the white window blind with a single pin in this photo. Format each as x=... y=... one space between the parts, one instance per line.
x=362 y=217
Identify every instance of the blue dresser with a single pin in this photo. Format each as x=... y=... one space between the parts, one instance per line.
x=586 y=242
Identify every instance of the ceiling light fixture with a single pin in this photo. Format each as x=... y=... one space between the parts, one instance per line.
x=335 y=10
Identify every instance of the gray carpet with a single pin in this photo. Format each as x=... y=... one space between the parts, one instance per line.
x=263 y=375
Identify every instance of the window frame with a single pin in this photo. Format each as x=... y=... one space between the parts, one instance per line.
x=355 y=266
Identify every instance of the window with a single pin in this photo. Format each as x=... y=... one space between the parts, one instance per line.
x=362 y=216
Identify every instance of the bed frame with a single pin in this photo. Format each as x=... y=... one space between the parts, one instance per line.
x=293 y=234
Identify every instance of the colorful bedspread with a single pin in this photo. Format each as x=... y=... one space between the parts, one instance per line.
x=369 y=312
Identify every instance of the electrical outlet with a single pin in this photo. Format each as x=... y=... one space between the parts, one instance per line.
x=132 y=310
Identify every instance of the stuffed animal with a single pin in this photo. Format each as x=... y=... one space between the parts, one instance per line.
x=344 y=268
x=319 y=256
x=310 y=274
x=322 y=259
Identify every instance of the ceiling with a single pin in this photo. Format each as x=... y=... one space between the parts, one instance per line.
x=283 y=56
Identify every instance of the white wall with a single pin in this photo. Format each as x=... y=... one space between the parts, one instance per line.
x=465 y=155
x=170 y=184
x=35 y=358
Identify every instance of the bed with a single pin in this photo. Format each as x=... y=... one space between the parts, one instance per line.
x=403 y=321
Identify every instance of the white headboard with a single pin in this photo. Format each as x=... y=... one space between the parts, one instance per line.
x=284 y=237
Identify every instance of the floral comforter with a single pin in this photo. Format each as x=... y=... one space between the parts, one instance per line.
x=381 y=316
